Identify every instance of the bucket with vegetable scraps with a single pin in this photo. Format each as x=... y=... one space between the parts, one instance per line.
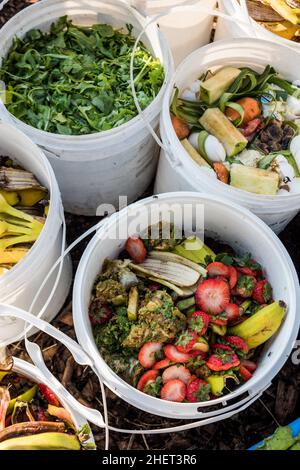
x=32 y=417
x=30 y=230
x=175 y=325
x=66 y=67
x=274 y=20
x=230 y=123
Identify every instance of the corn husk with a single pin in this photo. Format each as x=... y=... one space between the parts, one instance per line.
x=261 y=12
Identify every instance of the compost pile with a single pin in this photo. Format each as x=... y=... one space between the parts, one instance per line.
x=280 y=404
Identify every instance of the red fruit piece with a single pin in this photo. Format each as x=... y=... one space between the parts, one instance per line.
x=232 y=312
x=146 y=378
x=174 y=390
x=233 y=276
x=48 y=395
x=99 y=313
x=246 y=271
x=147 y=353
x=212 y=296
x=251 y=127
x=162 y=364
x=222 y=360
x=237 y=343
x=176 y=372
x=41 y=415
x=245 y=286
x=198 y=390
x=262 y=292
x=245 y=373
x=221 y=321
x=172 y=353
x=197 y=353
x=199 y=322
x=136 y=249
x=217 y=269
x=186 y=341
x=250 y=365
x=221 y=347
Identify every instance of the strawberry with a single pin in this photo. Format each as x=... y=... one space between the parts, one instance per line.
x=147 y=352
x=245 y=286
x=221 y=347
x=198 y=390
x=212 y=296
x=262 y=292
x=233 y=276
x=250 y=365
x=218 y=320
x=146 y=378
x=232 y=312
x=172 y=353
x=237 y=343
x=136 y=249
x=48 y=395
x=245 y=373
x=99 y=312
x=197 y=353
x=186 y=341
x=222 y=360
x=176 y=372
x=162 y=364
x=217 y=269
x=174 y=390
x=246 y=271
x=199 y=322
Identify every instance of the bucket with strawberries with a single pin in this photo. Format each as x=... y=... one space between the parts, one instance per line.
x=186 y=325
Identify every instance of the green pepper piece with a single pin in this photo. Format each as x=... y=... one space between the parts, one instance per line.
x=217 y=383
x=26 y=397
x=186 y=303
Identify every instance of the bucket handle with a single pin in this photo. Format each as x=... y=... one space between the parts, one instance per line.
x=35 y=354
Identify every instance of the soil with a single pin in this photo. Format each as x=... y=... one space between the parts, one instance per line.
x=280 y=404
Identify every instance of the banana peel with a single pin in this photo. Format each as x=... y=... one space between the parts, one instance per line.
x=133 y=300
x=258 y=328
x=43 y=441
x=287 y=12
x=12 y=255
x=25 y=397
x=194 y=249
x=30 y=197
x=285 y=29
x=11 y=197
x=36 y=228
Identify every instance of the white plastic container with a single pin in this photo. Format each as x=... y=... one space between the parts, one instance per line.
x=186 y=29
x=95 y=168
x=177 y=171
x=222 y=220
x=19 y=286
x=245 y=26
x=33 y=373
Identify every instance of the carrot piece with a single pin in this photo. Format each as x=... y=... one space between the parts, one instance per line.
x=222 y=172
x=180 y=127
x=251 y=109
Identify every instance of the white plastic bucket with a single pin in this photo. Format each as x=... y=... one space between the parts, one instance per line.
x=95 y=168
x=33 y=373
x=245 y=26
x=223 y=220
x=177 y=171
x=185 y=29
x=19 y=286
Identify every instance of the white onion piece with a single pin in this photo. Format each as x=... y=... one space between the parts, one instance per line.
x=214 y=149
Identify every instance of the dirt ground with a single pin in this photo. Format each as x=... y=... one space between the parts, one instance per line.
x=280 y=404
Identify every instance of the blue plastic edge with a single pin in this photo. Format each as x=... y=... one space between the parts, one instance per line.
x=295 y=426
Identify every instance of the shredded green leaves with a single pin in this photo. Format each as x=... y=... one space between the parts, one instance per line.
x=75 y=80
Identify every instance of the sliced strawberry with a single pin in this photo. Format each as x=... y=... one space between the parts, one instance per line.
x=212 y=296
x=246 y=271
x=162 y=364
x=262 y=292
x=217 y=269
x=198 y=390
x=233 y=277
x=176 y=372
x=199 y=322
x=250 y=365
x=232 y=312
x=186 y=341
x=221 y=347
x=193 y=377
x=172 y=353
x=195 y=353
x=48 y=395
x=218 y=320
x=147 y=353
x=146 y=378
x=174 y=390
x=99 y=312
x=245 y=286
x=222 y=360
x=136 y=249
x=237 y=343
x=245 y=373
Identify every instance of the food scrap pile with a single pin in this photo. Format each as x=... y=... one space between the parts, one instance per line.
x=24 y=204
x=180 y=322
x=242 y=127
